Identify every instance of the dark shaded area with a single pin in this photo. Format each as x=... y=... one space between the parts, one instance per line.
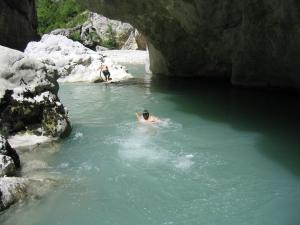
x=274 y=114
x=16 y=116
x=18 y=23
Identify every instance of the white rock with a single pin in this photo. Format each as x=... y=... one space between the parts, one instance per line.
x=12 y=189
x=73 y=61
x=18 y=72
x=7 y=166
x=131 y=43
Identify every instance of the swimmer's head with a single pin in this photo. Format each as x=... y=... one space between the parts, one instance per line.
x=145 y=114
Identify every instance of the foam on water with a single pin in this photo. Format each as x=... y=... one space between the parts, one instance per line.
x=77 y=135
x=142 y=143
x=184 y=162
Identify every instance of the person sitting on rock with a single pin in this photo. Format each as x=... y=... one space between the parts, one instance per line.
x=104 y=69
x=146 y=117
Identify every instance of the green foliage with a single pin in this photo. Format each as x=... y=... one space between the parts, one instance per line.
x=53 y=14
x=111 y=41
x=75 y=36
x=77 y=20
x=94 y=37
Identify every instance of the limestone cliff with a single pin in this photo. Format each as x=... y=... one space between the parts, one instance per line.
x=18 y=23
x=250 y=42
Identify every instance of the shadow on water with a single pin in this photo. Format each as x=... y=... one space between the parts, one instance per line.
x=273 y=114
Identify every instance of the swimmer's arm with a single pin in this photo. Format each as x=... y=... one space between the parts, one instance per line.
x=155 y=119
x=137 y=115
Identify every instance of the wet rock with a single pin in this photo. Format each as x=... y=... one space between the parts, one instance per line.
x=7 y=150
x=12 y=190
x=7 y=166
x=15 y=189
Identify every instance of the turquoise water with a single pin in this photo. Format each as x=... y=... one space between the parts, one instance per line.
x=220 y=156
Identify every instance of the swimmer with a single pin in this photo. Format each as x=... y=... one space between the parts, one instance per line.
x=104 y=69
x=146 y=117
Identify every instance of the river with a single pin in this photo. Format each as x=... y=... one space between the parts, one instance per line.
x=221 y=155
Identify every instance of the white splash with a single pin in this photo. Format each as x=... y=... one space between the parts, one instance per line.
x=184 y=162
x=141 y=143
x=77 y=135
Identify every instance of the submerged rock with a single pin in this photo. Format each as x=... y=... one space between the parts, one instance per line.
x=15 y=189
x=12 y=189
x=34 y=184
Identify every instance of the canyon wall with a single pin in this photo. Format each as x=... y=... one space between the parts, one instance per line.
x=249 y=42
x=18 y=23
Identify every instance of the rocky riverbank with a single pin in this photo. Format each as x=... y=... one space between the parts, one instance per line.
x=31 y=112
x=101 y=33
x=28 y=105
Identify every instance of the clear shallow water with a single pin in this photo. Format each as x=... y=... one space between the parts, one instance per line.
x=220 y=156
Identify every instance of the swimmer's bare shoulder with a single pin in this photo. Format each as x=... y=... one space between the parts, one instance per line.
x=154 y=119
x=151 y=120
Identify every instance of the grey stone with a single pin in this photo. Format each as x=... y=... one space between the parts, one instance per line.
x=29 y=101
x=15 y=189
x=249 y=42
x=12 y=189
x=7 y=166
x=131 y=43
x=98 y=30
x=7 y=150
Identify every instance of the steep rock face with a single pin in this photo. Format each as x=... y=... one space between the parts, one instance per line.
x=18 y=23
x=250 y=42
x=98 y=30
x=9 y=159
x=28 y=96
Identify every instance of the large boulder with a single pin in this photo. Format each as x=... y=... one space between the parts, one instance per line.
x=7 y=166
x=250 y=42
x=16 y=189
x=18 y=23
x=99 y=30
x=9 y=159
x=12 y=189
x=73 y=61
x=28 y=96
